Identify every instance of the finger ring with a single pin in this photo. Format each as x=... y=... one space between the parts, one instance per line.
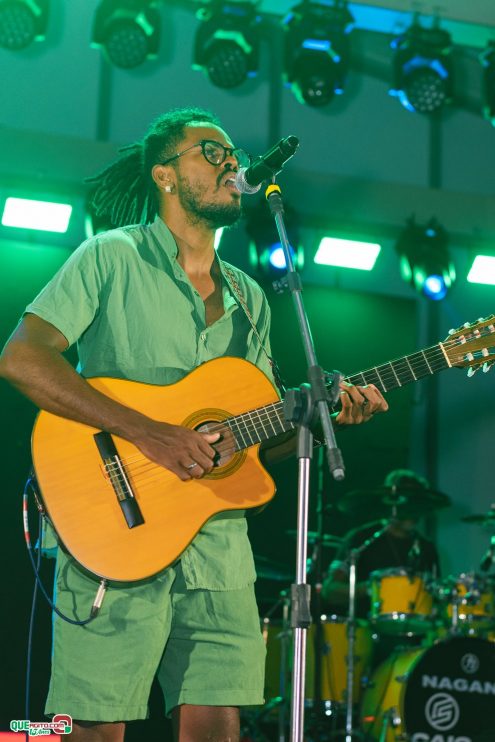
x=191 y=466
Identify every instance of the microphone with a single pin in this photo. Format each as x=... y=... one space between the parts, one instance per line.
x=249 y=179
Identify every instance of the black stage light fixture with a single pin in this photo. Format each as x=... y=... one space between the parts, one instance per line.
x=22 y=22
x=226 y=46
x=128 y=31
x=266 y=255
x=317 y=50
x=487 y=60
x=422 y=72
x=424 y=258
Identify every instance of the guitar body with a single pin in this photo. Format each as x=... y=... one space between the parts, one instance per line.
x=82 y=503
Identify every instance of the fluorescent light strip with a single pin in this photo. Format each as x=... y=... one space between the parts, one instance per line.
x=482 y=270
x=347 y=253
x=45 y=216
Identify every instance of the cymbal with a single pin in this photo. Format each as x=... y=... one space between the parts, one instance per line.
x=326 y=539
x=482 y=519
x=400 y=502
x=267 y=569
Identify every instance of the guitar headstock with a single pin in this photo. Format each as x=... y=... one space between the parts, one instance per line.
x=472 y=346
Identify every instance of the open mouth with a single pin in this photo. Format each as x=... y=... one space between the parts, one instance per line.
x=230 y=183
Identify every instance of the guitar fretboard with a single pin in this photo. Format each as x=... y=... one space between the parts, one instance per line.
x=266 y=422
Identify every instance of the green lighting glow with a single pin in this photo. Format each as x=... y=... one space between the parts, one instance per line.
x=42 y=215
x=218 y=237
x=347 y=253
x=482 y=270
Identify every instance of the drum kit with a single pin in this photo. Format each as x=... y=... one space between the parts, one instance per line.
x=435 y=681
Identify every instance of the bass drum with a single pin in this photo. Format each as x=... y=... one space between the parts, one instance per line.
x=442 y=694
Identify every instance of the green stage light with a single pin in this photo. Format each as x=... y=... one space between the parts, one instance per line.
x=45 y=216
x=22 y=22
x=128 y=31
x=226 y=46
x=317 y=50
x=482 y=270
x=218 y=237
x=424 y=258
x=347 y=253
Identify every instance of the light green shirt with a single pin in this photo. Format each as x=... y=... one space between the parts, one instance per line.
x=126 y=301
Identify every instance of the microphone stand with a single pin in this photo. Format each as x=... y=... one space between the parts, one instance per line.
x=302 y=406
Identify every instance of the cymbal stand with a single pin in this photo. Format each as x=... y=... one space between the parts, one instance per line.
x=302 y=407
x=351 y=629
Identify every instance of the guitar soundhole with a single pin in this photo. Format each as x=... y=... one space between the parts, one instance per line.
x=225 y=446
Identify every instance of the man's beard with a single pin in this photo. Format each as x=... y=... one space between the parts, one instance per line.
x=214 y=214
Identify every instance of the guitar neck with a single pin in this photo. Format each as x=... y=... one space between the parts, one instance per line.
x=267 y=422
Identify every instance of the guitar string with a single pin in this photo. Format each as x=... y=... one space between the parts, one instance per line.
x=249 y=425
x=245 y=430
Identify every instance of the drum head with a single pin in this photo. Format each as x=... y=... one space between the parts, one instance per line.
x=450 y=692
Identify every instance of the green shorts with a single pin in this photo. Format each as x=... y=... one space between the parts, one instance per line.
x=204 y=646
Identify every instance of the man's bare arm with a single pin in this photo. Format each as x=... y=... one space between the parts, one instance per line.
x=32 y=361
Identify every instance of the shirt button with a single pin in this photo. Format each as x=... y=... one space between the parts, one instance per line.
x=202 y=336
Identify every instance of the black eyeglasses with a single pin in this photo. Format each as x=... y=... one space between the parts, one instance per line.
x=215 y=153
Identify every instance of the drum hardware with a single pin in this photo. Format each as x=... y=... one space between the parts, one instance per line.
x=398 y=501
x=391 y=719
x=351 y=629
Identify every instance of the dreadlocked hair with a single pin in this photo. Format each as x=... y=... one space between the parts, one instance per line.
x=125 y=192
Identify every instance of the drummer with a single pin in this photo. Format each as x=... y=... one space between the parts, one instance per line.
x=400 y=545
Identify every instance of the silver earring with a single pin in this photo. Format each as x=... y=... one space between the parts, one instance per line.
x=168 y=189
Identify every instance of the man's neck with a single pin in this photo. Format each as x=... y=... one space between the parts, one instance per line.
x=195 y=244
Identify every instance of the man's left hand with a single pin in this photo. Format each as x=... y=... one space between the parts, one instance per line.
x=359 y=403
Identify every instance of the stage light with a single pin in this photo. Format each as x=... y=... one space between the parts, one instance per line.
x=265 y=251
x=347 y=253
x=487 y=60
x=46 y=216
x=424 y=259
x=218 y=237
x=226 y=45
x=128 y=31
x=423 y=75
x=317 y=50
x=22 y=22
x=482 y=270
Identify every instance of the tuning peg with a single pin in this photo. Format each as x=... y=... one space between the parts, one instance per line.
x=487 y=366
x=452 y=332
x=472 y=370
x=467 y=324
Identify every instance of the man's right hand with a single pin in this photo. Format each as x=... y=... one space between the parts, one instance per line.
x=177 y=448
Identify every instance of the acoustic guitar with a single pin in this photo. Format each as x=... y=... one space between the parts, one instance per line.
x=125 y=518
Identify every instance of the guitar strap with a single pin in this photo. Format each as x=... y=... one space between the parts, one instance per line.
x=236 y=290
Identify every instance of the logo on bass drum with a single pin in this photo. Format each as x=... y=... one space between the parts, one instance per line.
x=442 y=712
x=470 y=663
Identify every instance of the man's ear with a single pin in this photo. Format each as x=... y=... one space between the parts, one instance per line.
x=164 y=178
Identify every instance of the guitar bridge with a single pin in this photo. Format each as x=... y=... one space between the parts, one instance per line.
x=116 y=474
